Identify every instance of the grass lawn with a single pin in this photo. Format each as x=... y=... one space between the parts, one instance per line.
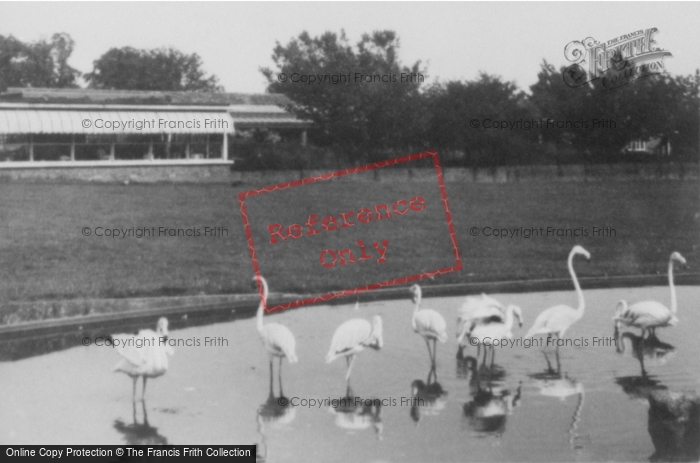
x=45 y=255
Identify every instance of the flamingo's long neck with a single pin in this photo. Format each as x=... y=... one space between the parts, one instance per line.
x=509 y=318
x=261 y=307
x=673 y=288
x=619 y=340
x=581 y=303
x=416 y=306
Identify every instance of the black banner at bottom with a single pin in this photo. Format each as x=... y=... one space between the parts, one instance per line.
x=110 y=453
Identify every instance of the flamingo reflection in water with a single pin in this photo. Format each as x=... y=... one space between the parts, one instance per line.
x=275 y=412
x=427 y=398
x=558 y=385
x=140 y=433
x=357 y=413
x=487 y=411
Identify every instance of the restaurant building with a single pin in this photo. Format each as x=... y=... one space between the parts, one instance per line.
x=44 y=128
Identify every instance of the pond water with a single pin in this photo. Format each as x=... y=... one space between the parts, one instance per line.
x=594 y=409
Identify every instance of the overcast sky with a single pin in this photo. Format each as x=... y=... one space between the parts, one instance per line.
x=455 y=40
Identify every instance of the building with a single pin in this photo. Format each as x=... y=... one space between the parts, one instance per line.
x=653 y=145
x=47 y=127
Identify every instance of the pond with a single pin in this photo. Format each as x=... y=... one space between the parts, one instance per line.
x=593 y=409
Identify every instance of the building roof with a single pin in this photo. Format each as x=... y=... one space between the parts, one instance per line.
x=109 y=122
x=247 y=111
x=139 y=97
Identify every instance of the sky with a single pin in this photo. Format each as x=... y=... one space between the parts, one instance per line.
x=455 y=40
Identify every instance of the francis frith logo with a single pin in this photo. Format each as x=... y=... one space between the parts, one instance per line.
x=612 y=64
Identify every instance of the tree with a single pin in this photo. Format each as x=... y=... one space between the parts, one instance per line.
x=489 y=101
x=657 y=106
x=581 y=107
x=164 y=69
x=38 y=64
x=358 y=111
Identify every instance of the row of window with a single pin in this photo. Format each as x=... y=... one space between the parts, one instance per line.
x=108 y=147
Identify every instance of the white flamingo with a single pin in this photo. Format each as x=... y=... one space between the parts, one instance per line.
x=487 y=332
x=427 y=322
x=278 y=340
x=480 y=311
x=148 y=361
x=477 y=309
x=651 y=348
x=556 y=320
x=649 y=315
x=352 y=337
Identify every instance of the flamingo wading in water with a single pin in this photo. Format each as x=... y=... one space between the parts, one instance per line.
x=649 y=315
x=352 y=337
x=148 y=361
x=556 y=320
x=278 y=340
x=428 y=323
x=479 y=310
x=496 y=330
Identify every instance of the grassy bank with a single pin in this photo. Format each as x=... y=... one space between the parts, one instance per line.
x=45 y=255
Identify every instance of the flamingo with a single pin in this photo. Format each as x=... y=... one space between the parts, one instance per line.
x=278 y=340
x=556 y=320
x=480 y=311
x=352 y=337
x=651 y=348
x=427 y=322
x=475 y=310
x=649 y=315
x=496 y=330
x=147 y=361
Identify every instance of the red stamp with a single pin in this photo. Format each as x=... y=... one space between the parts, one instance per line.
x=353 y=230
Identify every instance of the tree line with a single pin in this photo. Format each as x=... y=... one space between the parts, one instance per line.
x=45 y=64
x=359 y=122
x=367 y=120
